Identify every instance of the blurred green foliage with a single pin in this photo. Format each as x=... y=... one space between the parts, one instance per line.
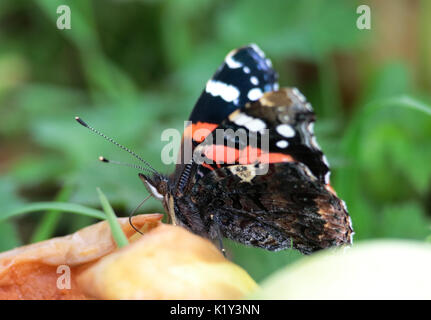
x=134 y=68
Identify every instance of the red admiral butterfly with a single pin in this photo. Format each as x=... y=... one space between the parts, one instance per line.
x=278 y=198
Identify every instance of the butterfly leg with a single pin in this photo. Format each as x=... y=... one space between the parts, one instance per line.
x=219 y=235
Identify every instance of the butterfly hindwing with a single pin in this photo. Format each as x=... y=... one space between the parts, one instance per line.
x=284 y=207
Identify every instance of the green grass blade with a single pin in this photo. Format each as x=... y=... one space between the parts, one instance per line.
x=56 y=206
x=118 y=234
x=49 y=221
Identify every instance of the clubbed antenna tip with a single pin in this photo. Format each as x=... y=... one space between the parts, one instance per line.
x=130 y=165
x=81 y=122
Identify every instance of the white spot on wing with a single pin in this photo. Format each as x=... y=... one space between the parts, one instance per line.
x=282 y=144
x=285 y=130
x=327 y=175
x=254 y=80
x=252 y=124
x=345 y=208
x=227 y=92
x=325 y=161
x=254 y=94
x=269 y=63
x=310 y=127
x=299 y=95
x=256 y=125
x=231 y=62
x=258 y=50
x=246 y=69
x=242 y=119
x=350 y=223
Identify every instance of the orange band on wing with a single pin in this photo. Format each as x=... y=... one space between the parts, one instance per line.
x=248 y=155
x=221 y=154
x=275 y=157
x=199 y=131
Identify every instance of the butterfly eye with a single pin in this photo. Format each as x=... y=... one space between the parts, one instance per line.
x=154 y=187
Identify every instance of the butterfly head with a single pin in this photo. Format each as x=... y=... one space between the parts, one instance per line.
x=156 y=184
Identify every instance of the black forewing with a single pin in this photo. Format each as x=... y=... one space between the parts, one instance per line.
x=243 y=77
x=244 y=73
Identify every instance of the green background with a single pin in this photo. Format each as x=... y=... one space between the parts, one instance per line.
x=135 y=68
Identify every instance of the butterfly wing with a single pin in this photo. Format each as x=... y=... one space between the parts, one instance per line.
x=286 y=207
x=273 y=198
x=276 y=128
x=244 y=76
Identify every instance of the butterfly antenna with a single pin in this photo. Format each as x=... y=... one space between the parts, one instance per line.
x=133 y=213
x=84 y=124
x=130 y=165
